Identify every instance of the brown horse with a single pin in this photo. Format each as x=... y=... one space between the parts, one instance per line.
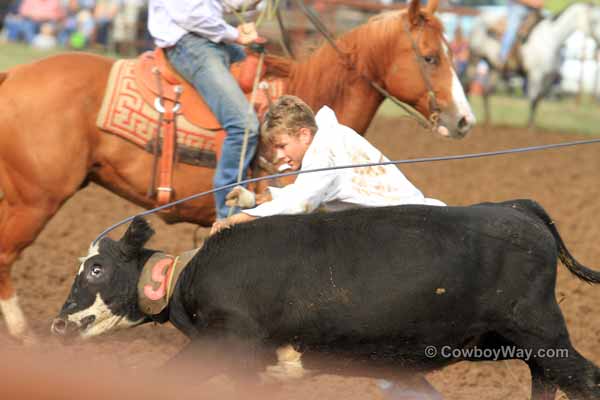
x=50 y=146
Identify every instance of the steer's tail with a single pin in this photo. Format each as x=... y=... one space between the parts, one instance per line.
x=581 y=271
x=3 y=76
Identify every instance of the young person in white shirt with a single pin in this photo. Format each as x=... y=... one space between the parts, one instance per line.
x=307 y=141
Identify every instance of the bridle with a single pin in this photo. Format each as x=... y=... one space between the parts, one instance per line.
x=434 y=108
x=433 y=122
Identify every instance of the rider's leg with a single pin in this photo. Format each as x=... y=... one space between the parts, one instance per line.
x=516 y=14
x=206 y=65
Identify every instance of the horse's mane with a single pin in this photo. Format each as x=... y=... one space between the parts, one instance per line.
x=368 y=48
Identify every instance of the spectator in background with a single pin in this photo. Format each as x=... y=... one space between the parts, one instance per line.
x=12 y=22
x=37 y=12
x=5 y=6
x=460 y=52
x=78 y=25
x=125 y=27
x=104 y=15
x=480 y=83
x=517 y=11
x=46 y=39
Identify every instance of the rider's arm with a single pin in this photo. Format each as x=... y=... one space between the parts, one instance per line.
x=309 y=190
x=204 y=17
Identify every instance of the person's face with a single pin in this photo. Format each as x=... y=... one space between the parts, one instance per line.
x=291 y=149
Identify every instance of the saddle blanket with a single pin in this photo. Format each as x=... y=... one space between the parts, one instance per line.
x=125 y=113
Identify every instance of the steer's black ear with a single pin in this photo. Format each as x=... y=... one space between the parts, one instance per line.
x=138 y=233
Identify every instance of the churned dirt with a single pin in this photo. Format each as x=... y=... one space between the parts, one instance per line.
x=565 y=181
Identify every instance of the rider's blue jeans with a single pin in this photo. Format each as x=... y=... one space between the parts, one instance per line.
x=206 y=66
x=516 y=13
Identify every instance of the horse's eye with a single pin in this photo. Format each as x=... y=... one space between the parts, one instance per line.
x=431 y=60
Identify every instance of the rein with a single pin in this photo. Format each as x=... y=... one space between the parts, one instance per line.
x=432 y=122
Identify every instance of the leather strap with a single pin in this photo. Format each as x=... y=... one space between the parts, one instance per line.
x=165 y=180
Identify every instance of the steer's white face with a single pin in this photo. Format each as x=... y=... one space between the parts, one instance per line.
x=99 y=319
x=103 y=297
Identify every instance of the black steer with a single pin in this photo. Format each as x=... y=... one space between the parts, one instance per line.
x=408 y=286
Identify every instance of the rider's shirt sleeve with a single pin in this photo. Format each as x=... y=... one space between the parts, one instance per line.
x=309 y=190
x=204 y=17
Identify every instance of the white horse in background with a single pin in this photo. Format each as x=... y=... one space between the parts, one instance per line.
x=540 y=54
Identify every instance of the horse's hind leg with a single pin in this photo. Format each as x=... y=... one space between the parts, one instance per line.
x=19 y=226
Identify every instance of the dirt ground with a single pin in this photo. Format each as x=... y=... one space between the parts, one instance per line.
x=565 y=181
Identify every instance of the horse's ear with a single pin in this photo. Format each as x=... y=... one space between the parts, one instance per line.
x=414 y=12
x=432 y=6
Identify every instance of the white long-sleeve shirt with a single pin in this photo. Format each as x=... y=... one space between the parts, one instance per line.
x=335 y=145
x=169 y=20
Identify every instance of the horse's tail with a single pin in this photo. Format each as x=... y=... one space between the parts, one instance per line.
x=581 y=271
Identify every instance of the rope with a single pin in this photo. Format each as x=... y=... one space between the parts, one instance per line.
x=394 y=162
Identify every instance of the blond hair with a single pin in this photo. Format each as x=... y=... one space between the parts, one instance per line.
x=286 y=116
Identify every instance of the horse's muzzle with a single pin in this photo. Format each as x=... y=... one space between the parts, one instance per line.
x=464 y=125
x=455 y=126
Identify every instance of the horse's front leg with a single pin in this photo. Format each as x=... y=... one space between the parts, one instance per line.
x=19 y=226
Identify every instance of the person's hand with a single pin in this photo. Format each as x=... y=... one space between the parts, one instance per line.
x=219 y=225
x=240 y=197
x=247 y=33
x=227 y=223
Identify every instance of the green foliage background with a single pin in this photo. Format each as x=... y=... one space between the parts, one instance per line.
x=558 y=5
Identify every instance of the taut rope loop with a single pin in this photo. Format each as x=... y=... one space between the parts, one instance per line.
x=395 y=162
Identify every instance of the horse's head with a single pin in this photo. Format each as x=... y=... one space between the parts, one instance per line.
x=419 y=71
